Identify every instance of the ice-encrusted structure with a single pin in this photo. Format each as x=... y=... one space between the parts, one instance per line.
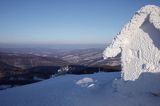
x=139 y=43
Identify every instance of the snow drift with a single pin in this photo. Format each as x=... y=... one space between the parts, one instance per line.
x=100 y=89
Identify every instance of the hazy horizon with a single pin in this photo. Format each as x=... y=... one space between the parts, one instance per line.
x=51 y=46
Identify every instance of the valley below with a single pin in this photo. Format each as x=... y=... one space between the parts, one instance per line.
x=24 y=66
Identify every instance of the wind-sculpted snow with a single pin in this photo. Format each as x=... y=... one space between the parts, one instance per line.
x=100 y=89
x=67 y=90
x=86 y=82
x=139 y=43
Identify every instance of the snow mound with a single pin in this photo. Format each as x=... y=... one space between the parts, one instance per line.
x=86 y=82
x=139 y=44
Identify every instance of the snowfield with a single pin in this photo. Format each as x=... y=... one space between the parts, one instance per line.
x=99 y=89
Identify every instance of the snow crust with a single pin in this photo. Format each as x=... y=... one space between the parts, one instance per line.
x=139 y=44
x=101 y=89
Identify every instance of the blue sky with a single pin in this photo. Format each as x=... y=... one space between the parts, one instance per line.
x=65 y=21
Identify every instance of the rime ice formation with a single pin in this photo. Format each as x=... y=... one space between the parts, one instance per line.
x=139 y=43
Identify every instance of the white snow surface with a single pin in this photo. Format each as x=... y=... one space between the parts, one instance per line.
x=101 y=89
x=86 y=82
x=139 y=44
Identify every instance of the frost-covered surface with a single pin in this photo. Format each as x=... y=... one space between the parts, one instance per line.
x=139 y=43
x=100 y=89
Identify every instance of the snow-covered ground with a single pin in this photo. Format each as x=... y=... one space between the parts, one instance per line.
x=99 y=89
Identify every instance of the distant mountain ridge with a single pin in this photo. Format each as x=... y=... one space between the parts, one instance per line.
x=89 y=57
x=19 y=67
x=43 y=57
x=25 y=61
